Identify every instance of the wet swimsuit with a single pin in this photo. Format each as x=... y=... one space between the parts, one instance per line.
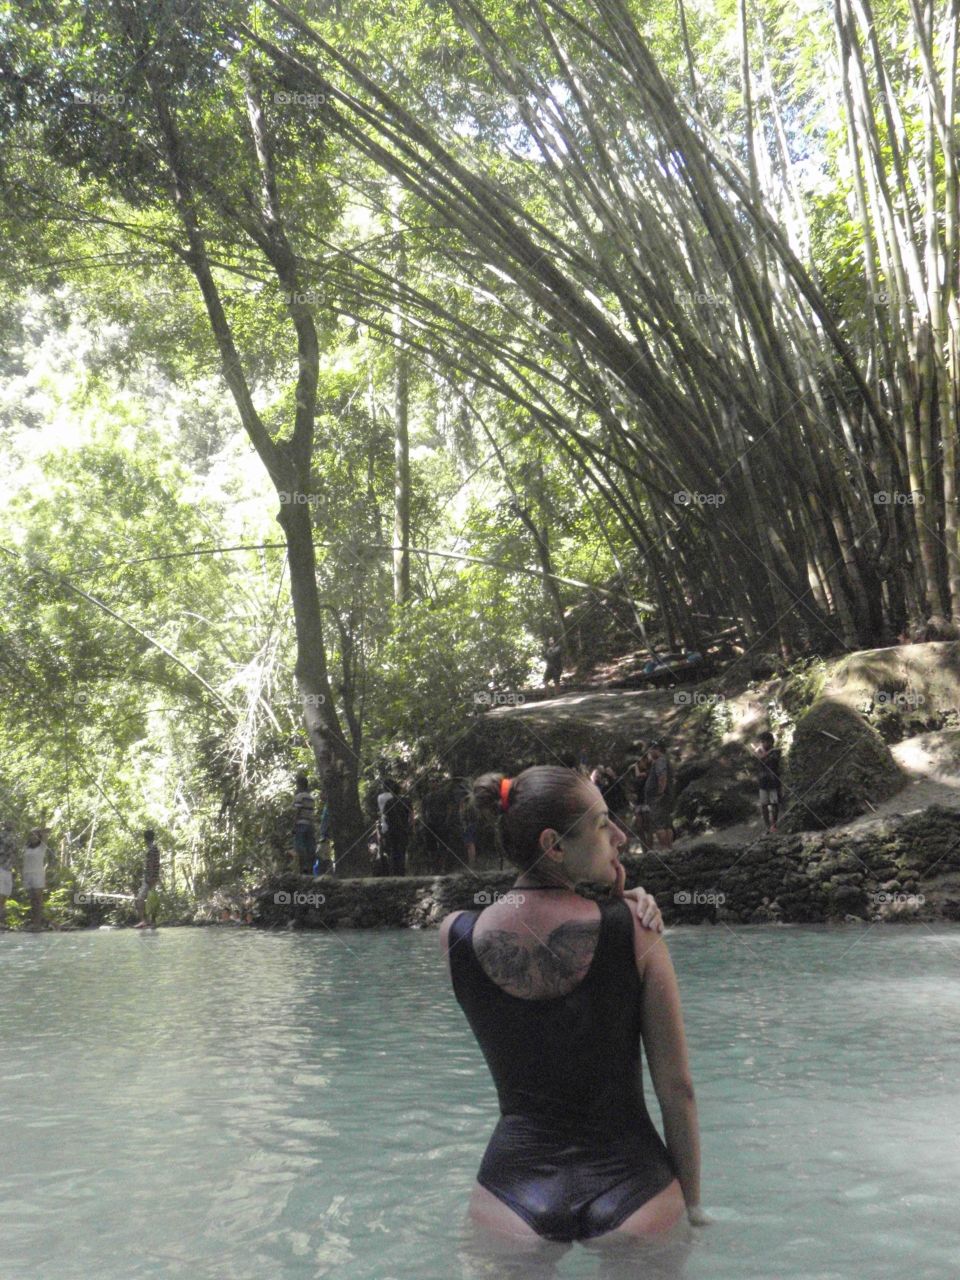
x=574 y=1152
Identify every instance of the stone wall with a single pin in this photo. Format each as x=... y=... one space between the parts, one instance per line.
x=901 y=868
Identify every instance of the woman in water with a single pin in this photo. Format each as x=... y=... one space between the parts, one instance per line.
x=559 y=991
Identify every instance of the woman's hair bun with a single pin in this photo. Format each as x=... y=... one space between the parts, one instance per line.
x=486 y=793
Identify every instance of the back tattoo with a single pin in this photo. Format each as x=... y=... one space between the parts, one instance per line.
x=536 y=969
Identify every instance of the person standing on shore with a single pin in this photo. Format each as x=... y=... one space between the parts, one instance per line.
x=658 y=794
x=147 y=893
x=8 y=852
x=396 y=823
x=768 y=776
x=553 y=655
x=34 y=874
x=637 y=777
x=304 y=835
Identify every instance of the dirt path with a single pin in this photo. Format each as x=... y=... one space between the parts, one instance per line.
x=933 y=777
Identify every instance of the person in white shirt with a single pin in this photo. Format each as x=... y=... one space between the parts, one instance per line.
x=8 y=851
x=34 y=874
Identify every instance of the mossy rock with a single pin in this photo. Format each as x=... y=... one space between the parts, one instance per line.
x=838 y=768
x=716 y=790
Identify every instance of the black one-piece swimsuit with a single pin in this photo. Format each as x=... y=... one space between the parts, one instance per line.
x=575 y=1151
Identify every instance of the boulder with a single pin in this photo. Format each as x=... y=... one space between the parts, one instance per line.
x=716 y=791
x=837 y=769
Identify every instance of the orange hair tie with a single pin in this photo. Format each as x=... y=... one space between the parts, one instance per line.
x=505 y=785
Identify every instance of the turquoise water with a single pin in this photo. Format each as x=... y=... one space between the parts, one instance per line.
x=249 y=1106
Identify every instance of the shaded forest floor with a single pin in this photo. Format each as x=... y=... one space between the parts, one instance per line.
x=932 y=780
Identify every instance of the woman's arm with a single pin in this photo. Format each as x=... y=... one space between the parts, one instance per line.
x=648 y=913
x=665 y=1045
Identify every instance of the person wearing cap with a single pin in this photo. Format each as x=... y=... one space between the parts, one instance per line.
x=658 y=794
x=34 y=875
x=8 y=851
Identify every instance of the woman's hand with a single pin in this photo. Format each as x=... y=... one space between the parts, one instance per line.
x=697 y=1218
x=648 y=912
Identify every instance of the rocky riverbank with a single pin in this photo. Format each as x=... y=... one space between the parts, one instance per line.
x=895 y=869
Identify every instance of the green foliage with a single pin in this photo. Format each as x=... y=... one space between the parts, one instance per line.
x=805 y=681
x=144 y=683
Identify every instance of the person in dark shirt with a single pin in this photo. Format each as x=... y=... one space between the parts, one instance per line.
x=147 y=895
x=768 y=776
x=396 y=824
x=637 y=782
x=553 y=654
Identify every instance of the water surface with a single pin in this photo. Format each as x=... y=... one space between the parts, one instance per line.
x=255 y=1106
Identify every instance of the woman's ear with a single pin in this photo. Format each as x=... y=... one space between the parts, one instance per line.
x=549 y=839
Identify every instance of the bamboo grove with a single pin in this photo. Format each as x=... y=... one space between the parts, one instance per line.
x=775 y=451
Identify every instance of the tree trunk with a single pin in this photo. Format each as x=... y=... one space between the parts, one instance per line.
x=401 y=444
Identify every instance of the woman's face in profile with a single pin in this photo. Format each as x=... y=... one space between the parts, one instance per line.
x=591 y=847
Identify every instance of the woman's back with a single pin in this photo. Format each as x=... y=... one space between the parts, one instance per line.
x=556 y=1010
x=551 y=986
x=575 y=1149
